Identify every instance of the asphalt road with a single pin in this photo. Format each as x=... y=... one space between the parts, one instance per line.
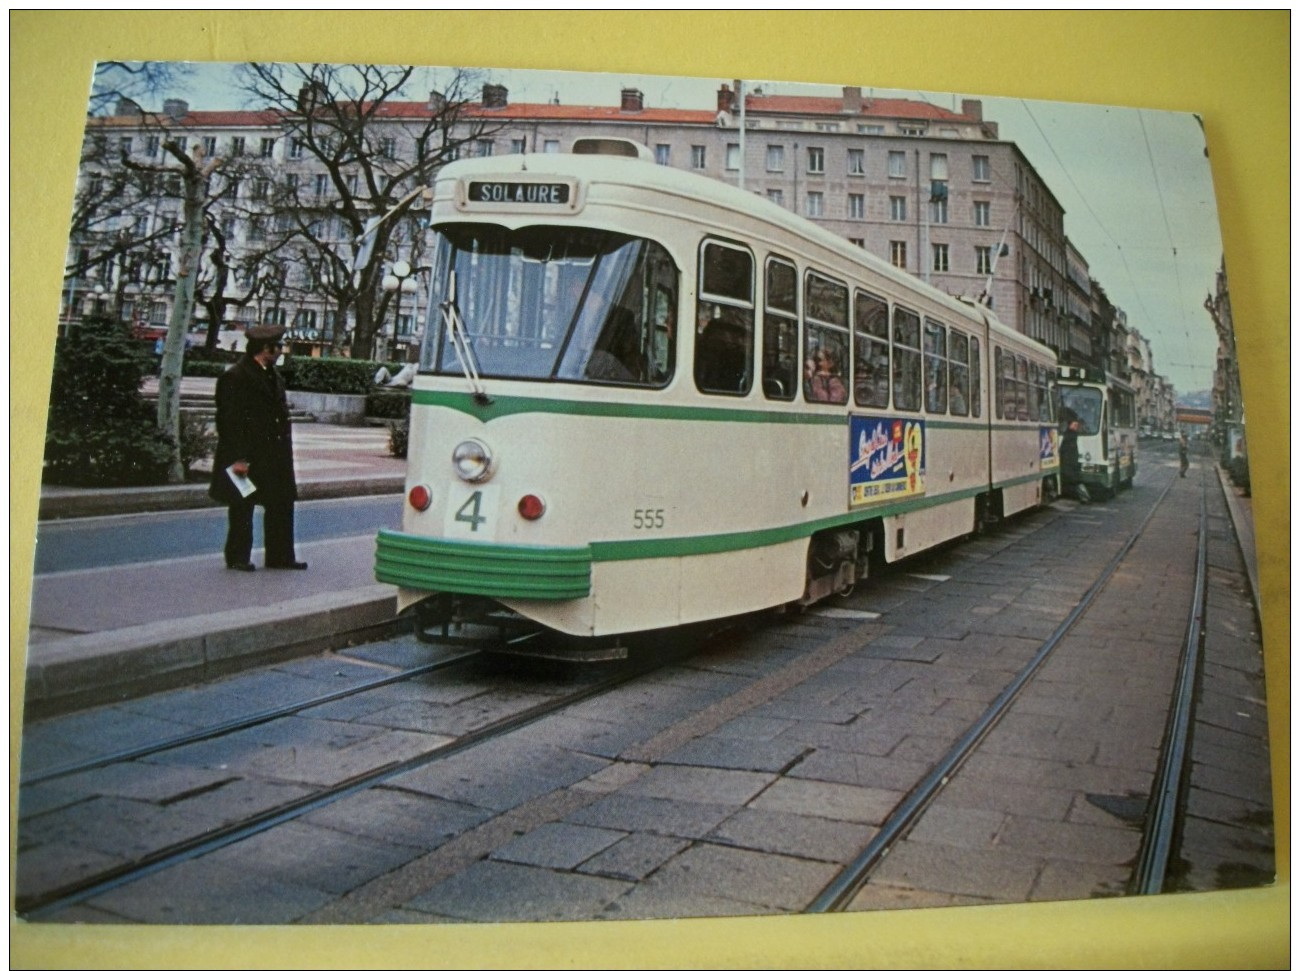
x=79 y=544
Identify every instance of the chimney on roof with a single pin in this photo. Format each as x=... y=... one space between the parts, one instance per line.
x=972 y=108
x=633 y=100
x=852 y=101
x=726 y=99
x=175 y=108
x=127 y=107
x=495 y=96
x=437 y=102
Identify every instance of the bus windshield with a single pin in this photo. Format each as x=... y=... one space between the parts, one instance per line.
x=554 y=303
x=1082 y=405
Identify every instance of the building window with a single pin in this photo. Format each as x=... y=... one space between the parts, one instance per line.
x=209 y=146
x=237 y=145
x=291 y=183
x=939 y=257
x=482 y=148
x=697 y=156
x=898 y=208
x=777 y=196
x=827 y=126
x=663 y=154
x=858 y=242
x=151 y=146
x=295 y=147
x=733 y=157
x=872 y=129
x=182 y=144
x=982 y=214
x=776 y=158
x=898 y=165
x=125 y=145
x=984 y=260
x=980 y=164
x=268 y=147
x=261 y=188
x=911 y=129
x=898 y=253
x=815 y=205
x=322 y=185
x=388 y=148
x=816 y=161
x=518 y=146
x=857 y=162
x=939 y=209
x=551 y=146
x=857 y=208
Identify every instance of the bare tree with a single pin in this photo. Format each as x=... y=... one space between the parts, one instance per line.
x=375 y=151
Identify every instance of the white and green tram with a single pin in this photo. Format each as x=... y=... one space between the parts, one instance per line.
x=646 y=399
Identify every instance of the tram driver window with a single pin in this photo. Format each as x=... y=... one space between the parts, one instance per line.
x=724 y=331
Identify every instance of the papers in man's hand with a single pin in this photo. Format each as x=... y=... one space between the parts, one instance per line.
x=242 y=482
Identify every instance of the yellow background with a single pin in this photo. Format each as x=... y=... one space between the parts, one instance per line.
x=1231 y=68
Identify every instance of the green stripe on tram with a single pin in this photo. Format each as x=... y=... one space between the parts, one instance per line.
x=502 y=407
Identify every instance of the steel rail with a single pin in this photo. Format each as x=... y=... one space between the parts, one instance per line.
x=38 y=906
x=840 y=891
x=1167 y=792
x=237 y=724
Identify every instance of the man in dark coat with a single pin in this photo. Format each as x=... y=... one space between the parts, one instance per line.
x=255 y=447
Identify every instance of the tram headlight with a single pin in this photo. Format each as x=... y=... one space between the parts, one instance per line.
x=472 y=460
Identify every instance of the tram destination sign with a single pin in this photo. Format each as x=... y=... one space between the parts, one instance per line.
x=521 y=193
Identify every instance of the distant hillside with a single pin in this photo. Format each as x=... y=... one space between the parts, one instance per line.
x=1195 y=399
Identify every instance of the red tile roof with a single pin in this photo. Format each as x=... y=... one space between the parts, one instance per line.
x=874 y=107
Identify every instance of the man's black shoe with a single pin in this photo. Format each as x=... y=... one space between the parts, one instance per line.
x=241 y=567
x=295 y=565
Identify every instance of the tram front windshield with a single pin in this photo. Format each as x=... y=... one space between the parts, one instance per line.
x=1082 y=405
x=553 y=303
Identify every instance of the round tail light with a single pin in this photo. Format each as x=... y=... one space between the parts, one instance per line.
x=532 y=507
x=420 y=498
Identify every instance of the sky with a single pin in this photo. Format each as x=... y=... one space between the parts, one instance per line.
x=1135 y=185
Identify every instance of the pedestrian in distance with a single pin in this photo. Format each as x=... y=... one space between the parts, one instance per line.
x=254 y=461
x=1182 y=455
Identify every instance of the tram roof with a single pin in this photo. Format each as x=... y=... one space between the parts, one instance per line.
x=642 y=174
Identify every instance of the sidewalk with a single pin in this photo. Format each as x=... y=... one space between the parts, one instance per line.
x=102 y=634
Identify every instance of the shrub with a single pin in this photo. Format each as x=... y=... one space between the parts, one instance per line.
x=392 y=403
x=204 y=369
x=100 y=431
x=198 y=439
x=329 y=375
x=399 y=432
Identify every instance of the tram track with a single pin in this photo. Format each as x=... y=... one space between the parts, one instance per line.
x=49 y=901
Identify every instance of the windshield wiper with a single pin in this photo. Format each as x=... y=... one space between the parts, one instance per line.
x=460 y=342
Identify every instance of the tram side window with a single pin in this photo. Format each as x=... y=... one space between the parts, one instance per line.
x=826 y=339
x=1006 y=389
x=976 y=387
x=907 y=360
x=1040 y=406
x=1022 y=389
x=781 y=331
x=959 y=373
x=871 y=351
x=724 y=334
x=936 y=368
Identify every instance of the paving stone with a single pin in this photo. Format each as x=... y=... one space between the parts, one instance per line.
x=315 y=856
x=857 y=769
x=233 y=895
x=975 y=829
x=1102 y=845
x=877 y=897
x=727 y=753
x=399 y=817
x=789 y=834
x=759 y=879
x=492 y=891
x=557 y=846
x=606 y=739
x=634 y=857
x=828 y=800
x=1080 y=881
x=514 y=771
x=328 y=765
x=697 y=784
x=992 y=875
x=663 y=817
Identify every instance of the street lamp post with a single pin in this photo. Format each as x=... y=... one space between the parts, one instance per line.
x=400 y=279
